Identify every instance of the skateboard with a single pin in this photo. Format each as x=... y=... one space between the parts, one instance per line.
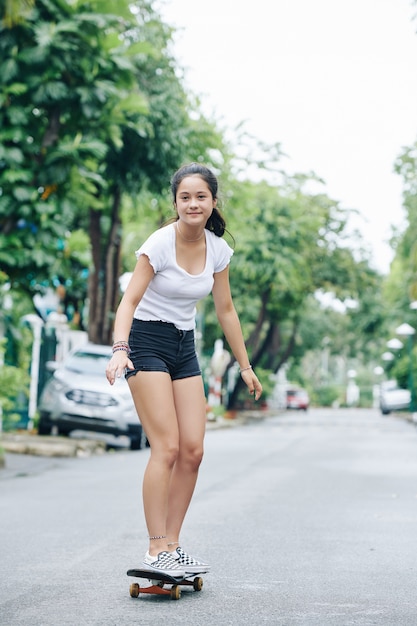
x=162 y=584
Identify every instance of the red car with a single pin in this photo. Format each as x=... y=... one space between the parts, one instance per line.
x=297 y=399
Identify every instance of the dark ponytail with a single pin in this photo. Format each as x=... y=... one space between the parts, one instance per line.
x=216 y=223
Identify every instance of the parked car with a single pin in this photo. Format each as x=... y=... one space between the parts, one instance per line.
x=297 y=398
x=79 y=397
x=392 y=398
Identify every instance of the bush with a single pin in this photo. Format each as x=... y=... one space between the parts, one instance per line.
x=366 y=397
x=14 y=385
x=326 y=395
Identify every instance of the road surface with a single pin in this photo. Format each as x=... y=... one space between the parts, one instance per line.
x=307 y=519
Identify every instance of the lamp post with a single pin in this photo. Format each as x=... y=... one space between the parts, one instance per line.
x=376 y=387
x=36 y=324
x=405 y=330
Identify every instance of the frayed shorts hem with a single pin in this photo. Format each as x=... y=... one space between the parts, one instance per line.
x=164 y=370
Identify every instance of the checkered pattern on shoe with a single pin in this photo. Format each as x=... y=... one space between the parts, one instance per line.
x=189 y=563
x=165 y=564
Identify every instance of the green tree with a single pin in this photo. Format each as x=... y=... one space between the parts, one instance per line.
x=151 y=148
x=93 y=121
x=92 y=109
x=56 y=89
x=400 y=287
x=289 y=244
x=14 y=11
x=404 y=269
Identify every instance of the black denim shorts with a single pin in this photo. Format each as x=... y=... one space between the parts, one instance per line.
x=161 y=347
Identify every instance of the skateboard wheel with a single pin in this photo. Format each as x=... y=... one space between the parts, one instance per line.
x=175 y=592
x=198 y=583
x=134 y=590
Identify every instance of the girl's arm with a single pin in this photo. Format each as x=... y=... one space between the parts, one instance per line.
x=229 y=321
x=141 y=277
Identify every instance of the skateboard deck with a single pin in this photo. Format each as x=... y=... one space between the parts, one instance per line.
x=162 y=584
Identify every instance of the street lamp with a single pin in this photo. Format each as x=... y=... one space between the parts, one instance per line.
x=395 y=344
x=387 y=356
x=405 y=330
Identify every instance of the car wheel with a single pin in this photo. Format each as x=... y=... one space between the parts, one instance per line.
x=44 y=426
x=138 y=443
x=63 y=432
x=135 y=443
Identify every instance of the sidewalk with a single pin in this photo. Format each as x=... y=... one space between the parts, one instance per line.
x=28 y=453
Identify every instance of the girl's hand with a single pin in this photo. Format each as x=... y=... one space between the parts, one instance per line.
x=117 y=365
x=251 y=381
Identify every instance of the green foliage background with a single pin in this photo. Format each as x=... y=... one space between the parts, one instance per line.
x=94 y=119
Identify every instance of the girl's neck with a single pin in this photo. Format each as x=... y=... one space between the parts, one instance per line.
x=185 y=238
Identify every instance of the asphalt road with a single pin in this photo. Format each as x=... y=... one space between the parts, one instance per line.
x=307 y=519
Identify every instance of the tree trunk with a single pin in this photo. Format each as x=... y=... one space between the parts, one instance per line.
x=103 y=287
x=233 y=397
x=269 y=353
x=253 y=340
x=112 y=262
x=95 y=298
x=282 y=356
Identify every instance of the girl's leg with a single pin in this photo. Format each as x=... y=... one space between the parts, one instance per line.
x=154 y=400
x=190 y=407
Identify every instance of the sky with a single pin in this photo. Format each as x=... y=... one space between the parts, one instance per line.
x=333 y=81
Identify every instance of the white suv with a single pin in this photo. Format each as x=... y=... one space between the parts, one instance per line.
x=392 y=398
x=79 y=397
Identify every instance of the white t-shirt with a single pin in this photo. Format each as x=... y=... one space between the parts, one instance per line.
x=173 y=293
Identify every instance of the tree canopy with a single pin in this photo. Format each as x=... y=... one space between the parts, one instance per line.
x=91 y=109
x=94 y=119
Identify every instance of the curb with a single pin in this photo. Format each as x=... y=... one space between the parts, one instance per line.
x=240 y=418
x=35 y=445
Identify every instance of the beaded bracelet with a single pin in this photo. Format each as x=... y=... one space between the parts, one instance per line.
x=121 y=345
x=127 y=350
x=245 y=369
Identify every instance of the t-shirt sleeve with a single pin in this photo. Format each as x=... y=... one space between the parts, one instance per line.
x=154 y=248
x=223 y=256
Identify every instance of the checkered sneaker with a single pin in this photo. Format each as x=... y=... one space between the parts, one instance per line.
x=165 y=564
x=189 y=563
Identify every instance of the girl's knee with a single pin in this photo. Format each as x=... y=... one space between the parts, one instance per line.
x=166 y=455
x=172 y=455
x=192 y=456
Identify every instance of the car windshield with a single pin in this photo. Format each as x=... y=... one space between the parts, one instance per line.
x=88 y=363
